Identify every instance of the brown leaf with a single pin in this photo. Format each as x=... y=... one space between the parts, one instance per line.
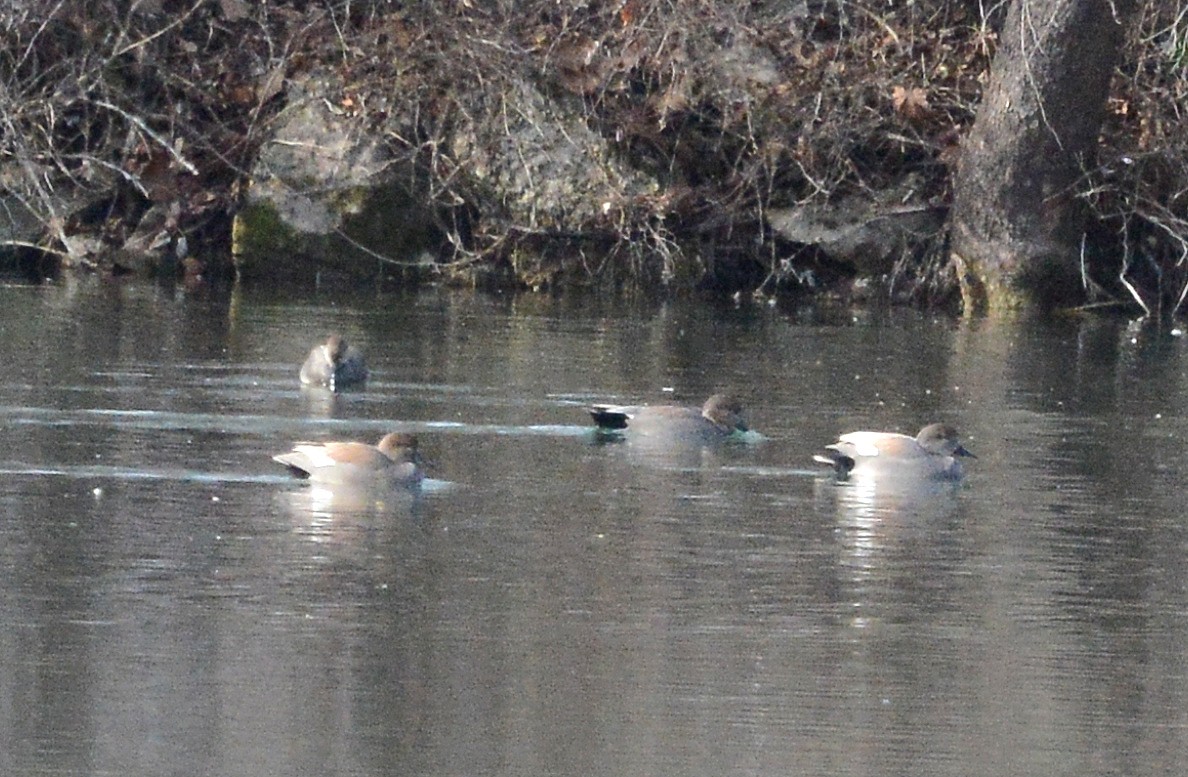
x=271 y=86
x=627 y=12
x=912 y=103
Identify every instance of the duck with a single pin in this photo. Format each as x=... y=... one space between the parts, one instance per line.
x=935 y=452
x=334 y=364
x=720 y=418
x=394 y=461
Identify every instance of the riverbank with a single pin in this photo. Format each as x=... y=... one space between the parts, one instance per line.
x=762 y=150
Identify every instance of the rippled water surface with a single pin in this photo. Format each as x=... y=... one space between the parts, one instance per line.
x=171 y=602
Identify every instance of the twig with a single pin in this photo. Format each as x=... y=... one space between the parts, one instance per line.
x=181 y=160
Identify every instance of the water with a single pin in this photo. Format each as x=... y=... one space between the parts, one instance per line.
x=171 y=602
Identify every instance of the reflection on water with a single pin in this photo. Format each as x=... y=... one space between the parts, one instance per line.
x=172 y=602
x=324 y=505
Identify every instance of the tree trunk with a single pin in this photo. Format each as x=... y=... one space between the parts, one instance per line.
x=1016 y=221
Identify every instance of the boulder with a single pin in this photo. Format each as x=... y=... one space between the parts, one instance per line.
x=326 y=196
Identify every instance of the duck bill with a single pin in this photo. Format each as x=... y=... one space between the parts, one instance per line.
x=961 y=451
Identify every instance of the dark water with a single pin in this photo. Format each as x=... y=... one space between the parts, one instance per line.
x=171 y=603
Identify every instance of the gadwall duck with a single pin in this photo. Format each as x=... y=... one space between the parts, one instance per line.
x=933 y=453
x=720 y=418
x=394 y=461
x=334 y=364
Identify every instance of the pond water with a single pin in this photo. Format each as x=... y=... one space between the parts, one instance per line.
x=171 y=602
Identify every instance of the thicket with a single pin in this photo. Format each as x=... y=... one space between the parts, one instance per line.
x=137 y=122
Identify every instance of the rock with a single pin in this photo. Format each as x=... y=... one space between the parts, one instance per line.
x=328 y=196
x=541 y=175
x=865 y=235
x=544 y=166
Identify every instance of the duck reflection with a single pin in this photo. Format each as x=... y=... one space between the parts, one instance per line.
x=874 y=498
x=316 y=503
x=320 y=402
x=890 y=533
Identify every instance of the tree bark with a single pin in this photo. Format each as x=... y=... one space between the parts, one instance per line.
x=1016 y=221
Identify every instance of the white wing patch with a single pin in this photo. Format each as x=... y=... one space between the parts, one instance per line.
x=316 y=455
x=863 y=443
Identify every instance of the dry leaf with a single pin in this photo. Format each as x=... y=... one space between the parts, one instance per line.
x=233 y=10
x=912 y=103
x=271 y=86
x=627 y=12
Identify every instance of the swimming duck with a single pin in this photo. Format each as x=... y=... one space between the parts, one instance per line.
x=933 y=453
x=334 y=364
x=720 y=418
x=394 y=461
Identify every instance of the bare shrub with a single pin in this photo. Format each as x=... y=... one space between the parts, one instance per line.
x=1137 y=248
x=108 y=108
x=113 y=113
